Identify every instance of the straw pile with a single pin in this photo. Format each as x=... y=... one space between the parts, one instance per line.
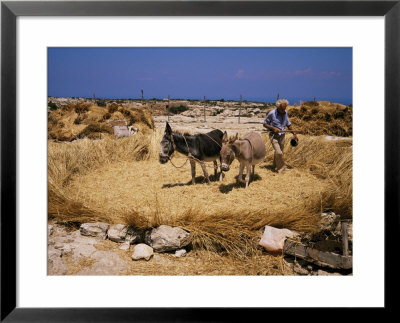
x=86 y=120
x=121 y=181
x=318 y=118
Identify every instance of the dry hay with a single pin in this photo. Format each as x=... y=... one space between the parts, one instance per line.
x=84 y=120
x=121 y=181
x=318 y=118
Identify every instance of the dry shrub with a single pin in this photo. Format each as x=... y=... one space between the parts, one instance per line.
x=80 y=118
x=112 y=107
x=142 y=118
x=82 y=107
x=106 y=116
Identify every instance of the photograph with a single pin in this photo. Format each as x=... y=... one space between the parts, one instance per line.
x=200 y=161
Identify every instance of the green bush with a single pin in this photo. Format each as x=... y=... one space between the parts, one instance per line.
x=101 y=103
x=178 y=109
x=52 y=106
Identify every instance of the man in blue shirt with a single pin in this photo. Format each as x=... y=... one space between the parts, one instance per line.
x=276 y=122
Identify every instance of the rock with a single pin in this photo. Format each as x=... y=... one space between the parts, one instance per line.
x=299 y=269
x=55 y=264
x=117 y=232
x=105 y=263
x=273 y=239
x=166 y=238
x=196 y=113
x=142 y=251
x=50 y=230
x=98 y=229
x=180 y=253
x=256 y=111
x=329 y=221
x=125 y=246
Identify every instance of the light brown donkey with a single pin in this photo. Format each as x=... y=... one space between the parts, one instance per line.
x=250 y=150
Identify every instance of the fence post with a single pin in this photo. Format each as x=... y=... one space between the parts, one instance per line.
x=168 y=108
x=204 y=109
x=240 y=107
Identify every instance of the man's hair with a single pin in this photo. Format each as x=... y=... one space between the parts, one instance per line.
x=279 y=102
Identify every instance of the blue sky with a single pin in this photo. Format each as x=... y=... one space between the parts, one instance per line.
x=192 y=73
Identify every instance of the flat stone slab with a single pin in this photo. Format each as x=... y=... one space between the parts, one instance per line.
x=98 y=229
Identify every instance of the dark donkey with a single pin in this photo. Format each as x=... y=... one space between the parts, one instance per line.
x=199 y=148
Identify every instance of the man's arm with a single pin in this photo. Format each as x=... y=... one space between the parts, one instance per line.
x=273 y=129
x=269 y=127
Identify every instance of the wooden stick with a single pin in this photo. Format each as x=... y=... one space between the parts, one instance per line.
x=345 y=239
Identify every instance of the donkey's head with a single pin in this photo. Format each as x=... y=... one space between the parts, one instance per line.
x=228 y=152
x=167 y=146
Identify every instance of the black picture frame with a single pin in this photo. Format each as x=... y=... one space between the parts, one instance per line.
x=10 y=10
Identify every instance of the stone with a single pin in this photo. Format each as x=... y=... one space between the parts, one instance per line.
x=273 y=239
x=180 y=253
x=142 y=251
x=50 y=230
x=117 y=232
x=105 y=263
x=98 y=229
x=329 y=221
x=166 y=238
x=299 y=269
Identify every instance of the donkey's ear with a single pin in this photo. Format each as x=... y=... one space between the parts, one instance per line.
x=236 y=137
x=168 y=129
x=225 y=137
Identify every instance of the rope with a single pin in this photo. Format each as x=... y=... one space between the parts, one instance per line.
x=189 y=156
x=170 y=159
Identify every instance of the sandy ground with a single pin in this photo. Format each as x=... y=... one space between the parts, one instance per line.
x=197 y=125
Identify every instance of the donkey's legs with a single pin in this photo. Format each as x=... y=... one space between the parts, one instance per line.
x=205 y=172
x=248 y=172
x=193 y=167
x=240 y=176
x=252 y=173
x=215 y=168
